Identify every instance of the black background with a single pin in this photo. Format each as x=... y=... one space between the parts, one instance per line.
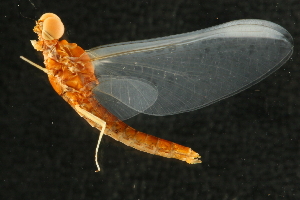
x=249 y=142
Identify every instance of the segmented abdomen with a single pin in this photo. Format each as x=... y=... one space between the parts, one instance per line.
x=120 y=131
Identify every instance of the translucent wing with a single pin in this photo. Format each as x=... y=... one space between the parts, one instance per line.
x=125 y=96
x=180 y=73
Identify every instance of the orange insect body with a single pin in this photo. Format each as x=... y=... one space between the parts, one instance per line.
x=71 y=73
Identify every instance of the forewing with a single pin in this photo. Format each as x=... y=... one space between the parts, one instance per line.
x=191 y=70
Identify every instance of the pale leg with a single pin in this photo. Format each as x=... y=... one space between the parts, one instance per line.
x=97 y=120
x=81 y=111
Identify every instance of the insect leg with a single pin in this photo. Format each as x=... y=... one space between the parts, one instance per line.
x=36 y=65
x=97 y=120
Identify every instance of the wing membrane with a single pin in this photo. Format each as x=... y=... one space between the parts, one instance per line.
x=125 y=97
x=191 y=70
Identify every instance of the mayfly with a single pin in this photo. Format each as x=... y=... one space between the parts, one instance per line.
x=163 y=76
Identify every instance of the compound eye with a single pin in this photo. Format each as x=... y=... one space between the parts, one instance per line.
x=53 y=28
x=46 y=15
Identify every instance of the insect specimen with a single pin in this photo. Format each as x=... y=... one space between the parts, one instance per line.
x=163 y=76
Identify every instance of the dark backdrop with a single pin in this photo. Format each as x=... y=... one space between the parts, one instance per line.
x=249 y=142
